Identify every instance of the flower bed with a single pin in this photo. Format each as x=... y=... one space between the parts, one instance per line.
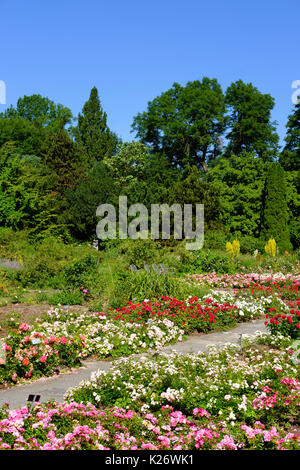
x=64 y=337
x=283 y=291
x=216 y=310
x=287 y=324
x=258 y=383
x=239 y=280
x=31 y=354
x=81 y=427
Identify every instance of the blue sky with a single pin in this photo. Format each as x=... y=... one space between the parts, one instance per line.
x=134 y=50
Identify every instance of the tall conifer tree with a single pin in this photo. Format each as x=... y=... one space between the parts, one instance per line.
x=92 y=131
x=274 y=220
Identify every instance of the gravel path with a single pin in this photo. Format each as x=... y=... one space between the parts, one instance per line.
x=55 y=387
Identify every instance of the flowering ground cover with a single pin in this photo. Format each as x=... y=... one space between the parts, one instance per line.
x=215 y=310
x=277 y=294
x=240 y=397
x=239 y=280
x=286 y=324
x=224 y=400
x=83 y=427
x=64 y=337
x=230 y=383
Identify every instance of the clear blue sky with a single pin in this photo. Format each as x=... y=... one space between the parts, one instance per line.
x=132 y=50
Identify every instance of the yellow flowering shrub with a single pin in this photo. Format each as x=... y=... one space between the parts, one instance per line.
x=271 y=247
x=233 y=249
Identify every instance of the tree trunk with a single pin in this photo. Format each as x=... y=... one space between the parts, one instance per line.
x=204 y=166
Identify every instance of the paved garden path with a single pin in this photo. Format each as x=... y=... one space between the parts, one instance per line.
x=55 y=387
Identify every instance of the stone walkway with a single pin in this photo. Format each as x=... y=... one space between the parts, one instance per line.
x=55 y=387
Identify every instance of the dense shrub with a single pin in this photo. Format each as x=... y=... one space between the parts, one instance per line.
x=143 y=285
x=215 y=240
x=141 y=251
x=41 y=272
x=77 y=273
x=284 y=324
x=213 y=261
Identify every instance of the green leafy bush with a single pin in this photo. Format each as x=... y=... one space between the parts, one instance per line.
x=143 y=285
x=213 y=261
x=286 y=325
x=41 y=272
x=142 y=251
x=215 y=240
x=77 y=273
x=67 y=297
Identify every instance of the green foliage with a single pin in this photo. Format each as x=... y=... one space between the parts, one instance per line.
x=238 y=181
x=251 y=129
x=127 y=166
x=212 y=261
x=215 y=240
x=26 y=136
x=22 y=190
x=274 y=218
x=289 y=157
x=250 y=244
x=98 y=187
x=51 y=184
x=77 y=273
x=143 y=285
x=40 y=111
x=65 y=159
x=40 y=273
x=66 y=297
x=185 y=123
x=194 y=189
x=293 y=201
x=45 y=262
x=141 y=251
x=92 y=132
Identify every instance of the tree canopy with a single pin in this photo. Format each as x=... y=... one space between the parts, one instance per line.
x=195 y=144
x=250 y=126
x=185 y=123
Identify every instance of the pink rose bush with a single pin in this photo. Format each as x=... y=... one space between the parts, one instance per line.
x=83 y=427
x=64 y=339
x=32 y=354
x=239 y=280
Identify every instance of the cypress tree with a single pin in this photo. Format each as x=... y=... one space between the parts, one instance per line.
x=274 y=217
x=92 y=131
